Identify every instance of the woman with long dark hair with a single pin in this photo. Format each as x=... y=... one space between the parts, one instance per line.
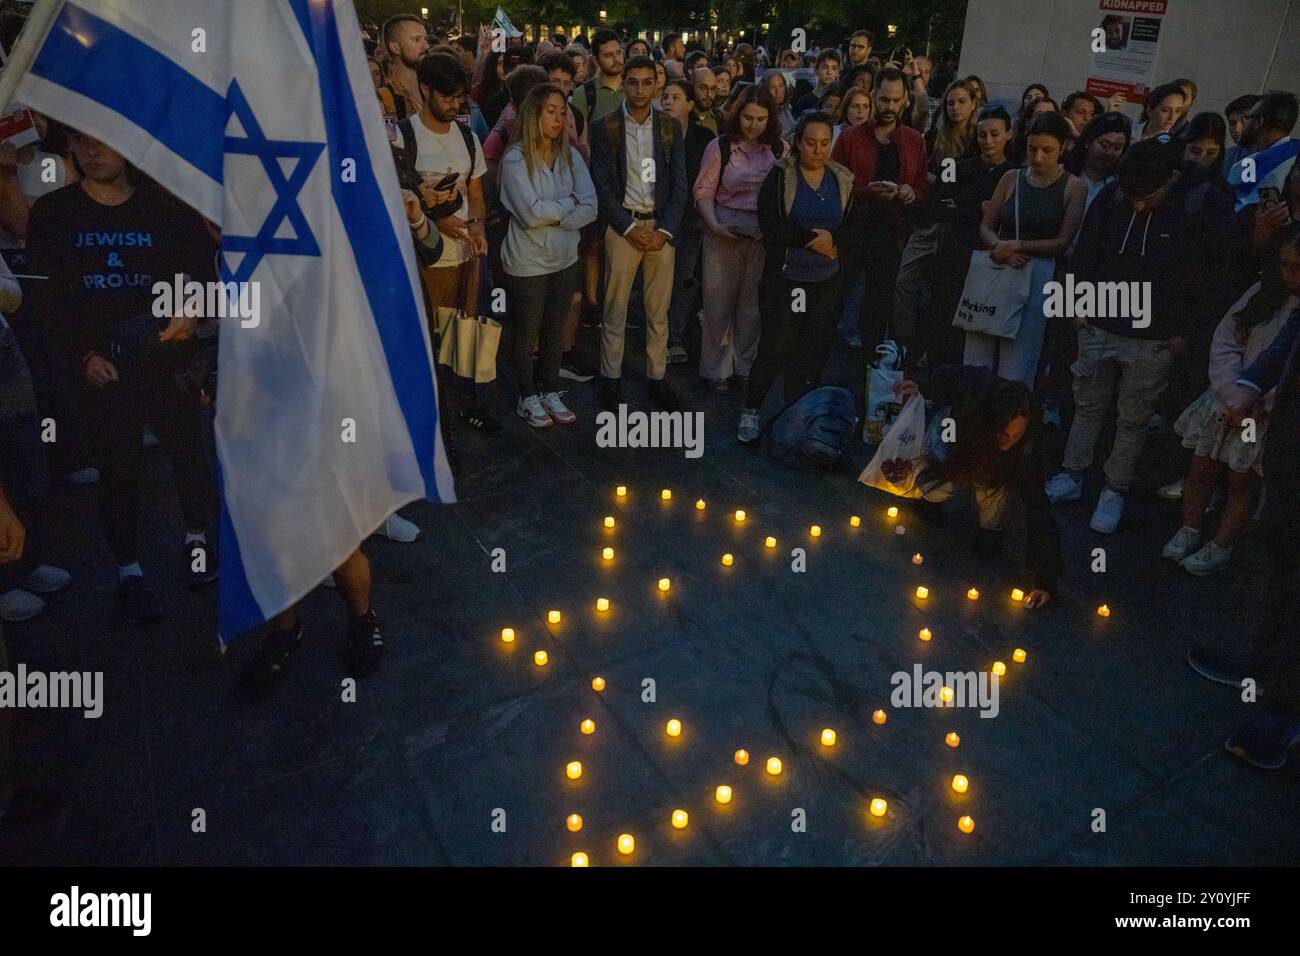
x=1204 y=138
x=726 y=196
x=995 y=457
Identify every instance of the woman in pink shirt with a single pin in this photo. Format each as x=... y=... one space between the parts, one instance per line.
x=726 y=195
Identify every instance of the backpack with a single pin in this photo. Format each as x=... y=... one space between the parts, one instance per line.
x=399 y=102
x=813 y=432
x=404 y=157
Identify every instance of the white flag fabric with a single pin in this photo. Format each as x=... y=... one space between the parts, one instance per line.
x=502 y=22
x=261 y=115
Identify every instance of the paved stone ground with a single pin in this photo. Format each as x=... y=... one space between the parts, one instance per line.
x=1103 y=714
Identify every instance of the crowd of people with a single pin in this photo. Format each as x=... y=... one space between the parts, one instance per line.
x=748 y=209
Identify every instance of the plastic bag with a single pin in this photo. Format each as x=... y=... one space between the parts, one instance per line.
x=894 y=466
x=882 y=376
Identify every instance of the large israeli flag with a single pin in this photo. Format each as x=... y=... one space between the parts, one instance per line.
x=1267 y=169
x=262 y=116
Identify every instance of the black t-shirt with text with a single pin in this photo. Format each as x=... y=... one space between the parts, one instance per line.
x=102 y=261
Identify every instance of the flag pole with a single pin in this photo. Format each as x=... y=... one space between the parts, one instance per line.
x=24 y=52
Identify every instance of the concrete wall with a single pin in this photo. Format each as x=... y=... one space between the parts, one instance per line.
x=1223 y=45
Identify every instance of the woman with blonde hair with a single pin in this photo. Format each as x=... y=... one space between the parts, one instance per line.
x=548 y=193
x=953 y=134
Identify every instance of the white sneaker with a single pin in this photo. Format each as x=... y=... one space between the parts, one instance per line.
x=750 y=428
x=84 y=476
x=1110 y=506
x=397 y=528
x=1184 y=542
x=530 y=410
x=46 y=579
x=1064 y=487
x=19 y=605
x=1172 y=491
x=556 y=408
x=1208 y=560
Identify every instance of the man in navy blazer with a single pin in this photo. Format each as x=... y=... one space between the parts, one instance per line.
x=638 y=165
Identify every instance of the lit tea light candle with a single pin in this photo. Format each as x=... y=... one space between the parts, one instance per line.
x=878 y=807
x=540 y=658
x=769 y=542
x=574 y=769
x=922 y=592
x=722 y=794
x=879 y=717
x=680 y=819
x=507 y=635
x=579 y=859
x=966 y=824
x=892 y=512
x=925 y=634
x=602 y=604
x=598 y=684
x=626 y=843
x=607 y=554
x=674 y=728
x=666 y=494
x=774 y=766
x=1103 y=611
x=621 y=491
x=952 y=740
x=699 y=504
x=1017 y=595
x=1018 y=655
x=553 y=617
x=664 y=584
x=588 y=726
x=573 y=822
x=854 y=521
x=973 y=594
x=960 y=783
x=727 y=559
x=742 y=757
x=609 y=521
x=945 y=695
x=828 y=737
x=815 y=531
x=740 y=514
x=999 y=668
x=917 y=559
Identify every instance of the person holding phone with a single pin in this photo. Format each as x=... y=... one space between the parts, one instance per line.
x=726 y=197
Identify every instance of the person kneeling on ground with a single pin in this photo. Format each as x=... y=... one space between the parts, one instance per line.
x=996 y=456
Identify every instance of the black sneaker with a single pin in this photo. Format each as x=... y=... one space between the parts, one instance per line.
x=365 y=645
x=1222 y=667
x=590 y=316
x=610 y=393
x=261 y=676
x=480 y=420
x=662 y=394
x=200 y=563
x=136 y=601
x=575 y=369
x=1263 y=740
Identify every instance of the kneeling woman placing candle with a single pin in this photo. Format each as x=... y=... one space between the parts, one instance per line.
x=993 y=454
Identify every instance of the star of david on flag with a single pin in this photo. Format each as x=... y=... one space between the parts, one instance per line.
x=249 y=111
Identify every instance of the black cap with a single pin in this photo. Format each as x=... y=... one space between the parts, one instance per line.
x=1148 y=164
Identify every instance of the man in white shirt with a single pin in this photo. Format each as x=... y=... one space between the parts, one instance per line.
x=449 y=155
x=640 y=180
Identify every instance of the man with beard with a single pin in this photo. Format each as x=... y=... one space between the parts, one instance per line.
x=888 y=163
x=705 y=113
x=405 y=41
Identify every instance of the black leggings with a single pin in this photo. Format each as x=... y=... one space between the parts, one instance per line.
x=116 y=415
x=793 y=344
x=540 y=304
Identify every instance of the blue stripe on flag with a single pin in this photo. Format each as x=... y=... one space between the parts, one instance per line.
x=363 y=210
x=88 y=55
x=237 y=609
